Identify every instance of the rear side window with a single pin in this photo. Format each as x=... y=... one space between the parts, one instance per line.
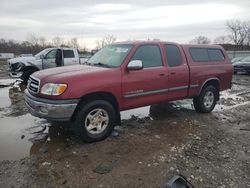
x=199 y=54
x=68 y=54
x=215 y=55
x=205 y=55
x=173 y=55
x=149 y=55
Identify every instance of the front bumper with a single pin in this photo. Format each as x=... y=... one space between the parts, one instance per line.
x=55 y=110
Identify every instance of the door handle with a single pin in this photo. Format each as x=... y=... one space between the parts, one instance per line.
x=162 y=74
x=173 y=73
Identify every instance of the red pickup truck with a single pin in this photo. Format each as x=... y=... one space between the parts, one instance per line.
x=128 y=75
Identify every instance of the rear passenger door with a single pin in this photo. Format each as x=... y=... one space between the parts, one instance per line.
x=178 y=72
x=69 y=57
x=148 y=85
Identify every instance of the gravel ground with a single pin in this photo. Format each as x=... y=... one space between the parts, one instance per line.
x=151 y=145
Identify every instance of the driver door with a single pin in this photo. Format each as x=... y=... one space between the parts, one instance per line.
x=50 y=59
x=148 y=85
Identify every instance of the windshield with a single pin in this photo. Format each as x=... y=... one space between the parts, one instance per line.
x=246 y=59
x=44 y=52
x=110 y=56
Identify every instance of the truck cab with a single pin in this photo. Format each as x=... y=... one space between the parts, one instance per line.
x=23 y=67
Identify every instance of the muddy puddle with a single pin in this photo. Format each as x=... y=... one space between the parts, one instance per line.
x=23 y=135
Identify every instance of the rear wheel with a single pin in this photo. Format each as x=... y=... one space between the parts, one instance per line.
x=95 y=120
x=206 y=101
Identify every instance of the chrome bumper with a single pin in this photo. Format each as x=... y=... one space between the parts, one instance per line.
x=55 y=110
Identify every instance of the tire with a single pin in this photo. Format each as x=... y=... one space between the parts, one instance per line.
x=96 y=111
x=206 y=101
x=26 y=75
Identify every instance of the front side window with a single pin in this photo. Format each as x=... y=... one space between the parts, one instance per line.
x=44 y=52
x=68 y=54
x=173 y=55
x=110 y=56
x=51 y=54
x=149 y=55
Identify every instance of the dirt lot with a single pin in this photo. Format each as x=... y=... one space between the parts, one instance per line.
x=152 y=144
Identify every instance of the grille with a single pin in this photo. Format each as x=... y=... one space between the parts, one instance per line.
x=33 y=84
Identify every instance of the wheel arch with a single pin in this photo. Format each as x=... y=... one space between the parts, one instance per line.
x=214 y=82
x=107 y=96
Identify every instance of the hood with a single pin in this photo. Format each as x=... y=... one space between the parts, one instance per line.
x=22 y=60
x=63 y=73
x=240 y=63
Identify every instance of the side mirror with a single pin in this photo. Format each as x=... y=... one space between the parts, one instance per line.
x=42 y=56
x=135 y=65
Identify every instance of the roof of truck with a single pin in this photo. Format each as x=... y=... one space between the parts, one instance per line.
x=136 y=42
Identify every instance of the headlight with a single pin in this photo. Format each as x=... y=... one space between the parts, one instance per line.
x=17 y=66
x=53 y=89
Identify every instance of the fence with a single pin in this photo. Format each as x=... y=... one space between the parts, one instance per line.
x=233 y=54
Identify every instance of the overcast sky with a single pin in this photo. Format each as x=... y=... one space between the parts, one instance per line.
x=178 y=20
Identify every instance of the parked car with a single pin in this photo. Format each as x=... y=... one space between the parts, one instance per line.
x=128 y=75
x=236 y=59
x=242 y=66
x=23 y=67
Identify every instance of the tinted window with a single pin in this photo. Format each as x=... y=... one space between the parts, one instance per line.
x=149 y=54
x=215 y=55
x=199 y=54
x=68 y=54
x=173 y=55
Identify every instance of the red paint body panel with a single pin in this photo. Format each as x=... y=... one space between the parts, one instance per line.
x=179 y=82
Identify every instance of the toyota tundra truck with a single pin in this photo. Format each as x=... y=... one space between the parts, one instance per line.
x=128 y=75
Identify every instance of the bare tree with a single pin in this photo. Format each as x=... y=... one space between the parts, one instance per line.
x=74 y=43
x=237 y=30
x=42 y=41
x=109 y=39
x=57 y=41
x=223 y=39
x=247 y=30
x=32 y=38
x=200 y=40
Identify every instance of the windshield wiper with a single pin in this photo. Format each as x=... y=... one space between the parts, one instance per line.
x=102 y=65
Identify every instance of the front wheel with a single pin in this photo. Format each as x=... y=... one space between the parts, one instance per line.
x=95 y=120
x=206 y=101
